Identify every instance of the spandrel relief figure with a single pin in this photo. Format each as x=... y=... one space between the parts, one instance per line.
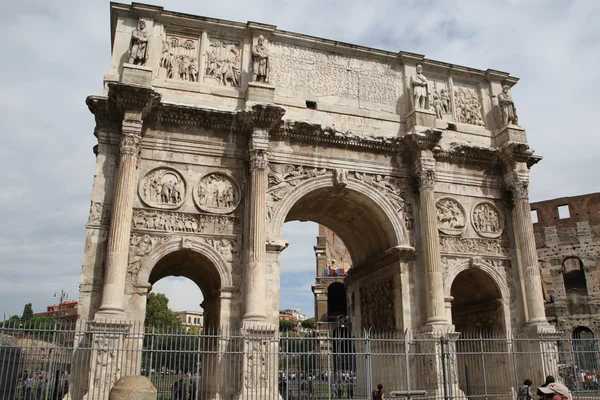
x=138 y=46
x=507 y=106
x=420 y=89
x=260 y=61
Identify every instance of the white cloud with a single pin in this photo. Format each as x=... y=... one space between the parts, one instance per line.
x=55 y=54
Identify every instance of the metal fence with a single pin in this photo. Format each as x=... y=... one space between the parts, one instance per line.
x=49 y=361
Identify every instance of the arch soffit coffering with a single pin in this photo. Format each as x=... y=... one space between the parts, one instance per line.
x=399 y=236
x=487 y=268
x=179 y=243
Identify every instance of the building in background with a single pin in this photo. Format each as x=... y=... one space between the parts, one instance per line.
x=333 y=263
x=65 y=313
x=191 y=319
x=567 y=234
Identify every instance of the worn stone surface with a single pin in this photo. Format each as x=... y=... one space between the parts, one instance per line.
x=133 y=387
x=568 y=250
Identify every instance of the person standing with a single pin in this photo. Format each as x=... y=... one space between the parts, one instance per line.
x=378 y=393
x=525 y=391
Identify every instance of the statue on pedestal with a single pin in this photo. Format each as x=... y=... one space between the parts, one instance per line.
x=260 y=61
x=138 y=46
x=507 y=106
x=420 y=88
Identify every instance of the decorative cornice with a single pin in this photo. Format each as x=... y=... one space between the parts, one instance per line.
x=178 y=115
x=106 y=116
x=262 y=116
x=414 y=142
x=468 y=154
x=133 y=98
x=314 y=132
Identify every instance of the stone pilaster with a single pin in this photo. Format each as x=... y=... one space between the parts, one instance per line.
x=430 y=241
x=133 y=102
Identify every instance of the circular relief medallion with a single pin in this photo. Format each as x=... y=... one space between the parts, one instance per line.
x=487 y=220
x=451 y=216
x=218 y=193
x=162 y=188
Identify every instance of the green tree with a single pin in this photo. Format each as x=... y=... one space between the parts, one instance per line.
x=158 y=312
x=27 y=312
x=308 y=323
x=285 y=325
x=12 y=322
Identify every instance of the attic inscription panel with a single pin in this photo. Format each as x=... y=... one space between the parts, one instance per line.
x=324 y=74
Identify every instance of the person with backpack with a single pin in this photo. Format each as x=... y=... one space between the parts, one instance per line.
x=378 y=394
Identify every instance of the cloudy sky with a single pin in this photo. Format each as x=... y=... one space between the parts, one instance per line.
x=56 y=53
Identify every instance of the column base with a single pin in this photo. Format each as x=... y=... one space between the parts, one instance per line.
x=109 y=314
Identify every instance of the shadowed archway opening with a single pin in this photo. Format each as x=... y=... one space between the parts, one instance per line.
x=478 y=315
x=574 y=276
x=585 y=349
x=196 y=267
x=336 y=300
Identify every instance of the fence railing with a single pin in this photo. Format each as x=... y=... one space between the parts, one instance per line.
x=49 y=361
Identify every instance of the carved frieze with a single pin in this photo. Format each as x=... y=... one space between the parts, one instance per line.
x=179 y=58
x=451 y=216
x=181 y=222
x=487 y=220
x=217 y=193
x=467 y=105
x=377 y=308
x=223 y=62
x=256 y=364
x=163 y=188
x=490 y=247
x=99 y=213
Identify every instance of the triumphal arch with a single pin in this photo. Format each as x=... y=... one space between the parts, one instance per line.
x=212 y=134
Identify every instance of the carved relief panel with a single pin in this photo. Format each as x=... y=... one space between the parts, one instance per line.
x=182 y=222
x=467 y=105
x=487 y=220
x=163 y=188
x=179 y=58
x=223 y=62
x=440 y=99
x=451 y=216
x=377 y=305
x=218 y=193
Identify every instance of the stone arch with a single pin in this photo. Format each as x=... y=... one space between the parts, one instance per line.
x=488 y=268
x=337 y=304
x=364 y=198
x=572 y=268
x=178 y=243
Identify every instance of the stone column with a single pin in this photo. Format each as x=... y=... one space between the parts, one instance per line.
x=257 y=229
x=133 y=102
x=525 y=243
x=120 y=223
x=430 y=241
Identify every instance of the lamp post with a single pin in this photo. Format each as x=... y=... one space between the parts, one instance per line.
x=63 y=296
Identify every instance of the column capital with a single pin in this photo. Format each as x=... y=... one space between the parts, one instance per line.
x=131 y=137
x=519 y=189
x=259 y=159
x=424 y=171
x=260 y=116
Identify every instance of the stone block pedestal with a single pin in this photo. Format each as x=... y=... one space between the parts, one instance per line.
x=510 y=133
x=136 y=75
x=260 y=93
x=420 y=117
